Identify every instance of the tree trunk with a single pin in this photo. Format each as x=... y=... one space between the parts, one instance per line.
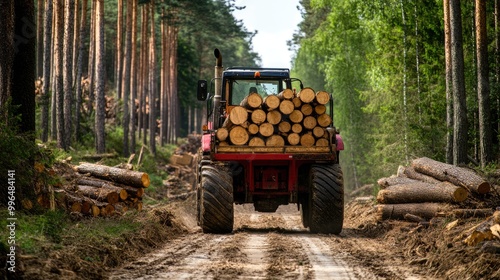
x=23 y=86
x=421 y=192
x=91 y=71
x=398 y=211
x=76 y=41
x=133 y=78
x=100 y=78
x=449 y=83
x=123 y=176
x=125 y=84
x=152 y=83
x=79 y=68
x=69 y=19
x=47 y=48
x=6 y=52
x=39 y=38
x=163 y=81
x=459 y=96
x=58 y=71
x=497 y=57
x=483 y=84
x=119 y=61
x=456 y=175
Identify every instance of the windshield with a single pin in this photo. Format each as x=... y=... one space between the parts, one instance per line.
x=241 y=88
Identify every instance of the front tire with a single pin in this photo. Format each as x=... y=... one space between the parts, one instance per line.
x=216 y=200
x=326 y=199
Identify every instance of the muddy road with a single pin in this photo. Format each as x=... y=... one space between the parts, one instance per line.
x=271 y=246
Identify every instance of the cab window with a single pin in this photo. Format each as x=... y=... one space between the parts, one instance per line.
x=241 y=88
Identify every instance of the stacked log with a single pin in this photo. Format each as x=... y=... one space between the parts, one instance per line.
x=428 y=188
x=278 y=120
x=112 y=189
x=96 y=190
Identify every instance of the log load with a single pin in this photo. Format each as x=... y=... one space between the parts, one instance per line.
x=421 y=192
x=454 y=174
x=285 y=119
x=123 y=176
x=252 y=101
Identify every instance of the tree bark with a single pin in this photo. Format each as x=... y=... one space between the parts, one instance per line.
x=125 y=83
x=79 y=68
x=58 y=71
x=6 y=51
x=152 y=83
x=483 y=84
x=410 y=172
x=421 y=192
x=459 y=96
x=69 y=19
x=47 y=47
x=391 y=181
x=456 y=175
x=449 y=82
x=133 y=79
x=123 y=176
x=118 y=61
x=398 y=211
x=111 y=196
x=39 y=38
x=100 y=78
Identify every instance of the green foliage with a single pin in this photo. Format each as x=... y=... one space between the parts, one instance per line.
x=383 y=61
x=34 y=231
x=17 y=151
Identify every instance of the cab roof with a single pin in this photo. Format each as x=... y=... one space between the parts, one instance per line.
x=250 y=72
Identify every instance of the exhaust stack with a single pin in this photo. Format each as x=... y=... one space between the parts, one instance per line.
x=218 y=83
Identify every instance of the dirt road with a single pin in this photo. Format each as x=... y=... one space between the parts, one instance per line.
x=270 y=246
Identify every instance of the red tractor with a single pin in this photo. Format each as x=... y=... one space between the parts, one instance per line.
x=267 y=175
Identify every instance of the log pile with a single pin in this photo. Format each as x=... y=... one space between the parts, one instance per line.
x=429 y=188
x=97 y=190
x=278 y=120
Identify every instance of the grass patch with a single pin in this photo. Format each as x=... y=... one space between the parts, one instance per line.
x=35 y=232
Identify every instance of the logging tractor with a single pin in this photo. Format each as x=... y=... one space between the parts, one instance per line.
x=267 y=144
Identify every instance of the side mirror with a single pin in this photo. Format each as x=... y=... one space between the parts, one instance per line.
x=202 y=91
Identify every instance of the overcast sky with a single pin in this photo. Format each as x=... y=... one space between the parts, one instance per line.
x=275 y=21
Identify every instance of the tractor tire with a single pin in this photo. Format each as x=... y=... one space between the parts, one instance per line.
x=326 y=199
x=216 y=200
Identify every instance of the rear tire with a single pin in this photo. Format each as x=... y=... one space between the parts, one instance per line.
x=326 y=199
x=216 y=200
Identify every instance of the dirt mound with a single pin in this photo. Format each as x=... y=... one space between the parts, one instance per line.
x=87 y=257
x=437 y=248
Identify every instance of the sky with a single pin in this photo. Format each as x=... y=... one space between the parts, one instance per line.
x=275 y=21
